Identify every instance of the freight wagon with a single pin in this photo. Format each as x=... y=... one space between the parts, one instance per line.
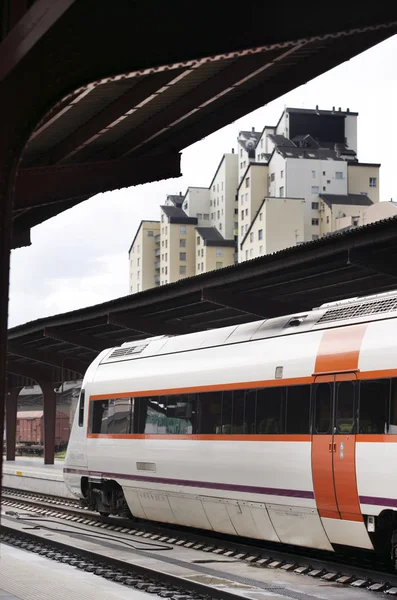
x=30 y=431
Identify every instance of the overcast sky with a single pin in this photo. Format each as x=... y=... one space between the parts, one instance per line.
x=80 y=258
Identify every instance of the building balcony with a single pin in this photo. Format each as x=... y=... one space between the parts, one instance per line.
x=157 y=279
x=157 y=252
x=157 y=239
x=157 y=264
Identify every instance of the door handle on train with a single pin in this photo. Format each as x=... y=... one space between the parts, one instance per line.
x=332 y=447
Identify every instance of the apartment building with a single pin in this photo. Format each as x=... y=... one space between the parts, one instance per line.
x=290 y=183
x=143 y=256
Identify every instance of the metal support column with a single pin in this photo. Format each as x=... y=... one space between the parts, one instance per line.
x=11 y=421
x=49 y=421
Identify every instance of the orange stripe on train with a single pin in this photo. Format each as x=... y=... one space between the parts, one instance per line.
x=340 y=349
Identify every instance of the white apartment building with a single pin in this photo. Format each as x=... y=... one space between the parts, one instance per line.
x=222 y=196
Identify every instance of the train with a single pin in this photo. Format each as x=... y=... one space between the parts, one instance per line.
x=282 y=429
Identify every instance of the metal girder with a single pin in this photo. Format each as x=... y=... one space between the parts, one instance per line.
x=76 y=339
x=47 y=185
x=20 y=238
x=150 y=327
x=142 y=92
x=368 y=260
x=49 y=358
x=30 y=372
x=230 y=300
x=29 y=30
x=218 y=85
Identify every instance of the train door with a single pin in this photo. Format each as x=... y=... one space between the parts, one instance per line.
x=334 y=446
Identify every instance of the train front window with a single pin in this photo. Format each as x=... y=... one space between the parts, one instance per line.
x=119 y=416
x=99 y=418
x=374 y=401
x=393 y=407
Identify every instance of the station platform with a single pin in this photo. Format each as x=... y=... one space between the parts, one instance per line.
x=27 y=576
x=32 y=475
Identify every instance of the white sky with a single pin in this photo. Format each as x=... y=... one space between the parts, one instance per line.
x=80 y=257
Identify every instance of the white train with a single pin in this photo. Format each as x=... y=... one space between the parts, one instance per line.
x=282 y=429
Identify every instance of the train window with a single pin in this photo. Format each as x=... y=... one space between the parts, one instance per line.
x=81 y=408
x=155 y=421
x=393 y=408
x=298 y=409
x=345 y=413
x=374 y=401
x=269 y=410
x=119 y=415
x=181 y=413
x=323 y=405
x=99 y=419
x=250 y=412
x=227 y=412
x=238 y=411
x=210 y=412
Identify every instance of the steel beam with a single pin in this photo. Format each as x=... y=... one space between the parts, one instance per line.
x=50 y=403
x=371 y=262
x=49 y=358
x=46 y=185
x=150 y=327
x=144 y=90
x=35 y=373
x=35 y=23
x=76 y=339
x=11 y=422
x=237 y=302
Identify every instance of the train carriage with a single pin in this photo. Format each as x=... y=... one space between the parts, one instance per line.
x=282 y=429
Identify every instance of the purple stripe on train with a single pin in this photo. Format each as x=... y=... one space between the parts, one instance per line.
x=248 y=489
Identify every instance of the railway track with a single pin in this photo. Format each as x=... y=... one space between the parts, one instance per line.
x=339 y=569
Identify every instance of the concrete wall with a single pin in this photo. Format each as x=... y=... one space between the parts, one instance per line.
x=359 y=180
x=197 y=204
x=222 y=196
x=249 y=199
x=173 y=264
x=351 y=132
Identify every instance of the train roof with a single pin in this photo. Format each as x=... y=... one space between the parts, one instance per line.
x=333 y=314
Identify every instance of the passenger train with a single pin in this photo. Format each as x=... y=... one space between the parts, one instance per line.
x=283 y=429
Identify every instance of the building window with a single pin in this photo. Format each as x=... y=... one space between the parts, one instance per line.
x=182 y=269
x=251 y=252
x=247 y=182
x=166 y=243
x=210 y=202
x=242 y=198
x=202 y=266
x=198 y=252
x=199 y=216
x=150 y=233
x=198 y=266
x=162 y=269
x=217 y=187
x=138 y=274
x=372 y=182
x=251 y=236
x=313 y=174
x=281 y=191
x=261 y=216
x=282 y=174
x=162 y=257
x=242 y=215
x=272 y=177
x=166 y=270
x=166 y=230
x=206 y=217
x=220 y=226
x=138 y=260
x=213 y=188
x=260 y=234
x=182 y=255
x=185 y=206
x=202 y=251
x=246 y=254
x=242 y=230
x=182 y=229
x=222 y=211
x=324 y=173
x=166 y=257
x=162 y=230
x=328 y=219
x=246 y=212
x=246 y=228
x=182 y=243
x=198 y=240
x=324 y=188
x=219 y=265
x=315 y=236
x=315 y=189
x=138 y=249
x=162 y=244
x=241 y=152
x=219 y=214
x=219 y=252
x=217 y=201
x=162 y=218
x=355 y=222
x=315 y=205
x=315 y=221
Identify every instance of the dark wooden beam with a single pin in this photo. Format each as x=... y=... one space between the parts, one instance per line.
x=76 y=339
x=370 y=261
x=35 y=373
x=144 y=90
x=149 y=327
x=49 y=358
x=46 y=185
